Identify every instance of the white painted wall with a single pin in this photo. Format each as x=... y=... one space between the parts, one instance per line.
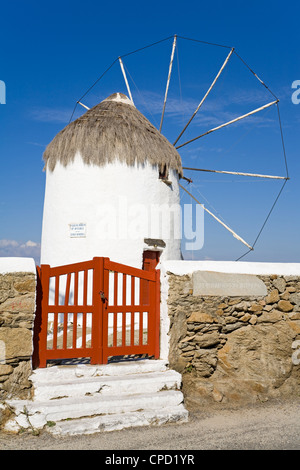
x=17 y=265
x=117 y=203
x=239 y=267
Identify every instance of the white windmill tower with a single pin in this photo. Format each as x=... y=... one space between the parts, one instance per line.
x=112 y=189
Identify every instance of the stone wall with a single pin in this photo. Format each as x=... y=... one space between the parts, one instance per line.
x=17 y=312
x=235 y=349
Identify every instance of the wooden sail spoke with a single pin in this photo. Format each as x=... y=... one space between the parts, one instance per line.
x=83 y=105
x=229 y=122
x=206 y=95
x=236 y=173
x=125 y=79
x=218 y=220
x=168 y=81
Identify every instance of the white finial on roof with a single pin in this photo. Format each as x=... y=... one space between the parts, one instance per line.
x=119 y=97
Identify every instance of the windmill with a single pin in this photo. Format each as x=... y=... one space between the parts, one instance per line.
x=182 y=141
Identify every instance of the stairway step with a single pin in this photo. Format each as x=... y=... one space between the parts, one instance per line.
x=39 y=413
x=64 y=372
x=135 y=383
x=107 y=423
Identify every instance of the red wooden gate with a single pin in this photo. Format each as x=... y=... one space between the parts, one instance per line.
x=96 y=309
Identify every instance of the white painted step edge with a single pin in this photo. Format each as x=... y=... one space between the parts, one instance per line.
x=109 y=385
x=101 y=402
x=38 y=414
x=57 y=373
x=109 y=423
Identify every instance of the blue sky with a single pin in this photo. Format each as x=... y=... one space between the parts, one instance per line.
x=52 y=52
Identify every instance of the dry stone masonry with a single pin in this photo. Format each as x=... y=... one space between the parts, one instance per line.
x=17 y=311
x=235 y=348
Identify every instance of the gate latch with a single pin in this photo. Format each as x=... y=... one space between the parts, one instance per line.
x=103 y=298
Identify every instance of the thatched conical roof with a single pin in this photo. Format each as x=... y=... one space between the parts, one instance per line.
x=112 y=130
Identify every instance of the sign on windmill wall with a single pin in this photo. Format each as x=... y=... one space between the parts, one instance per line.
x=77 y=230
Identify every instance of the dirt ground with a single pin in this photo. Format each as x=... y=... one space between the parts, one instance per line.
x=274 y=425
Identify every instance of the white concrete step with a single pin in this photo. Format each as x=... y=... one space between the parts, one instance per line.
x=59 y=373
x=38 y=414
x=108 y=385
x=107 y=423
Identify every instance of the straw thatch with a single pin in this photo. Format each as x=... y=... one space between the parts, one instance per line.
x=112 y=130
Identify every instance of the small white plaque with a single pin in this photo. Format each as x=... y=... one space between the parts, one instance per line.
x=77 y=230
x=227 y=284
